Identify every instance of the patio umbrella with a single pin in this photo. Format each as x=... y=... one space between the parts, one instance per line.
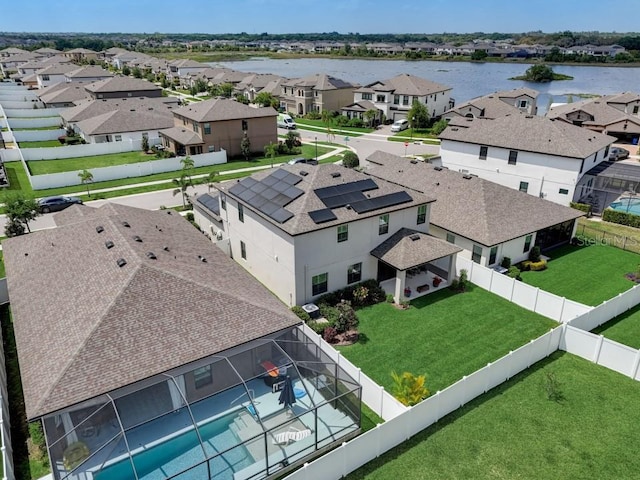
x=287 y=395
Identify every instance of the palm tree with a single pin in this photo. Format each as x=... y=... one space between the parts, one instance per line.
x=182 y=184
x=86 y=177
x=187 y=163
x=327 y=118
x=270 y=151
x=370 y=115
x=211 y=178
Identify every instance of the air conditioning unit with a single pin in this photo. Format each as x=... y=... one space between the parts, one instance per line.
x=219 y=235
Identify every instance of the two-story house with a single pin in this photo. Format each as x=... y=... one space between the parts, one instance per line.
x=52 y=74
x=532 y=154
x=497 y=104
x=315 y=93
x=305 y=230
x=123 y=87
x=220 y=124
x=395 y=96
x=88 y=74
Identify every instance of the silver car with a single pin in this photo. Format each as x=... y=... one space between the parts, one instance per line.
x=617 y=153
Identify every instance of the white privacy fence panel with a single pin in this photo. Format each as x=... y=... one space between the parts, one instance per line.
x=6 y=450
x=37 y=135
x=12 y=155
x=608 y=309
x=15 y=123
x=522 y=294
x=75 y=151
x=32 y=113
x=22 y=105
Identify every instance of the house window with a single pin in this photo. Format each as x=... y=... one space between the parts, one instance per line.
x=476 y=256
x=207 y=129
x=422 y=214
x=635 y=109
x=396 y=99
x=367 y=96
x=451 y=238
x=523 y=103
x=354 y=273
x=223 y=202
x=245 y=126
x=527 y=243
x=524 y=186
x=483 y=152
x=381 y=98
x=100 y=95
x=343 y=233
x=45 y=78
x=243 y=250
x=606 y=153
x=513 y=157
x=319 y=284
x=196 y=127
x=202 y=376
x=118 y=138
x=241 y=212
x=563 y=191
x=383 y=224
x=492 y=255
x=212 y=148
x=405 y=100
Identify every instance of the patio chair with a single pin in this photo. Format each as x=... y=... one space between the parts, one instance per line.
x=291 y=435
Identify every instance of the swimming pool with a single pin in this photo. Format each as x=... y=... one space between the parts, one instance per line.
x=627 y=204
x=178 y=453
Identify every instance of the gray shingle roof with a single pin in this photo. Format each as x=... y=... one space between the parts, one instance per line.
x=85 y=326
x=216 y=109
x=64 y=93
x=91 y=108
x=602 y=113
x=406 y=84
x=482 y=211
x=490 y=106
x=89 y=71
x=409 y=248
x=126 y=120
x=183 y=135
x=319 y=81
x=529 y=133
x=121 y=84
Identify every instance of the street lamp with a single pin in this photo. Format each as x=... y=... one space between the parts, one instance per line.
x=316 y=138
x=413 y=122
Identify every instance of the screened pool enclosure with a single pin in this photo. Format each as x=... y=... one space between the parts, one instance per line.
x=246 y=413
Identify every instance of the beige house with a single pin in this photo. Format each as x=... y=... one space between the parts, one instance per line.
x=316 y=93
x=219 y=124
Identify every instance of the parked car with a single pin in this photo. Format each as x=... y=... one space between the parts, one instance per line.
x=308 y=161
x=618 y=154
x=400 y=125
x=55 y=204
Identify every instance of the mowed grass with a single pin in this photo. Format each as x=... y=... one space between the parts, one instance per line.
x=443 y=335
x=515 y=432
x=43 y=167
x=624 y=328
x=40 y=144
x=589 y=274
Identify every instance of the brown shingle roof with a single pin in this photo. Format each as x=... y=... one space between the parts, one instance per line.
x=477 y=209
x=406 y=84
x=217 y=109
x=85 y=326
x=121 y=84
x=126 y=120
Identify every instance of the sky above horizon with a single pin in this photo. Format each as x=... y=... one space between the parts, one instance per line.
x=307 y=16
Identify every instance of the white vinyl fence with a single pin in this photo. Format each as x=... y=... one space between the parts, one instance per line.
x=37 y=135
x=23 y=105
x=544 y=303
x=6 y=450
x=15 y=123
x=353 y=454
x=608 y=309
x=11 y=155
x=83 y=150
x=32 y=113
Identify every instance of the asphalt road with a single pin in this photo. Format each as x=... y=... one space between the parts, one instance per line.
x=364 y=146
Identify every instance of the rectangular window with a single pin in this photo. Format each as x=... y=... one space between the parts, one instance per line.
x=451 y=238
x=563 y=191
x=523 y=104
x=405 y=100
x=422 y=214
x=241 y=212
x=527 y=243
x=354 y=273
x=381 y=98
x=606 y=152
x=245 y=126
x=524 y=186
x=513 y=157
x=396 y=99
x=118 y=138
x=383 y=224
x=635 y=109
x=492 y=255
x=223 y=202
x=202 y=376
x=319 y=284
x=211 y=148
x=207 y=129
x=477 y=254
x=196 y=127
x=343 y=233
x=45 y=78
x=243 y=250
x=483 y=152
x=367 y=96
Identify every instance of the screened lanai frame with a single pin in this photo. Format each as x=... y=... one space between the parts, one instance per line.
x=216 y=418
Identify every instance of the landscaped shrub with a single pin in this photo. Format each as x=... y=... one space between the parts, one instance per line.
x=329 y=334
x=390 y=298
x=313 y=116
x=537 y=266
x=341 y=121
x=360 y=294
x=302 y=315
x=375 y=294
x=408 y=388
x=356 y=122
x=462 y=281
x=329 y=312
x=350 y=160
x=622 y=218
x=347 y=319
x=534 y=254
x=514 y=272
x=506 y=262
x=583 y=207
x=317 y=327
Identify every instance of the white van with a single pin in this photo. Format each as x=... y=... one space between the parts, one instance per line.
x=285 y=121
x=400 y=125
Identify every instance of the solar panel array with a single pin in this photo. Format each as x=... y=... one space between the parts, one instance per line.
x=271 y=194
x=384 y=201
x=323 y=215
x=210 y=202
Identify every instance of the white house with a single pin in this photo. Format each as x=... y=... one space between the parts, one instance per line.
x=532 y=154
x=497 y=105
x=54 y=74
x=305 y=230
x=395 y=96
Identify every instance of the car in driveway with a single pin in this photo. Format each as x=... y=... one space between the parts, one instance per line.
x=55 y=204
x=617 y=153
x=307 y=161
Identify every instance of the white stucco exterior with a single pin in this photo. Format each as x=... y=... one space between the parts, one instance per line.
x=396 y=105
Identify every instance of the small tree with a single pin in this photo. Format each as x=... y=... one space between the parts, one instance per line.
x=126 y=71
x=211 y=179
x=418 y=115
x=145 y=143
x=479 y=55
x=439 y=126
x=347 y=318
x=370 y=115
x=291 y=140
x=182 y=184
x=350 y=160
x=270 y=151
x=20 y=210
x=137 y=73
x=409 y=389
x=86 y=177
x=226 y=90
x=245 y=146
x=265 y=99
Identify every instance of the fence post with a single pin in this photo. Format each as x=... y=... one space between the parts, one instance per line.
x=636 y=365
x=596 y=354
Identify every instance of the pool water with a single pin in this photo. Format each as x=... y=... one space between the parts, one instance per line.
x=628 y=205
x=184 y=451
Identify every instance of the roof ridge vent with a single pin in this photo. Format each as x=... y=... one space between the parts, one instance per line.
x=165 y=248
x=109 y=244
x=151 y=256
x=126 y=224
x=202 y=259
x=414 y=237
x=99 y=229
x=437 y=168
x=137 y=238
x=466 y=176
x=414 y=161
x=121 y=262
x=303 y=173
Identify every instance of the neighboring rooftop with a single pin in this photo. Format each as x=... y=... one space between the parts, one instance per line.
x=218 y=109
x=121 y=84
x=406 y=84
x=319 y=81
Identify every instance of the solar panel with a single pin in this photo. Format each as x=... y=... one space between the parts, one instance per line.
x=258 y=187
x=270 y=180
x=322 y=216
x=280 y=186
x=381 y=202
x=237 y=189
x=269 y=193
x=247 y=195
x=281 y=215
x=341 y=189
x=292 y=179
x=293 y=192
x=279 y=174
x=338 y=201
x=269 y=207
x=209 y=202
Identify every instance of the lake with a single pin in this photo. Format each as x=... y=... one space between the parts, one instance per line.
x=467 y=79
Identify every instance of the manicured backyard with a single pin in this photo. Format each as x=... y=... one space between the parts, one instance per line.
x=515 y=431
x=40 y=144
x=443 y=335
x=624 y=328
x=588 y=274
x=321 y=127
x=43 y=167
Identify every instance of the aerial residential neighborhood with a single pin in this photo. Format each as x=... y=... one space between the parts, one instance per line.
x=319 y=255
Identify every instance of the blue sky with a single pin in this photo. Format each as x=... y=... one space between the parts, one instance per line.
x=303 y=16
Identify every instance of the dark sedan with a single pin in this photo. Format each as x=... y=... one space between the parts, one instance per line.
x=55 y=204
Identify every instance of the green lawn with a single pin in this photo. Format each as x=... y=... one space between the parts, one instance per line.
x=443 y=335
x=40 y=144
x=321 y=127
x=515 y=432
x=43 y=167
x=587 y=274
x=409 y=135
x=624 y=328
x=55 y=127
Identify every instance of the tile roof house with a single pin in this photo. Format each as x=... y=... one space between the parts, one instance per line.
x=315 y=93
x=533 y=154
x=305 y=230
x=220 y=124
x=147 y=333
x=395 y=96
x=488 y=220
